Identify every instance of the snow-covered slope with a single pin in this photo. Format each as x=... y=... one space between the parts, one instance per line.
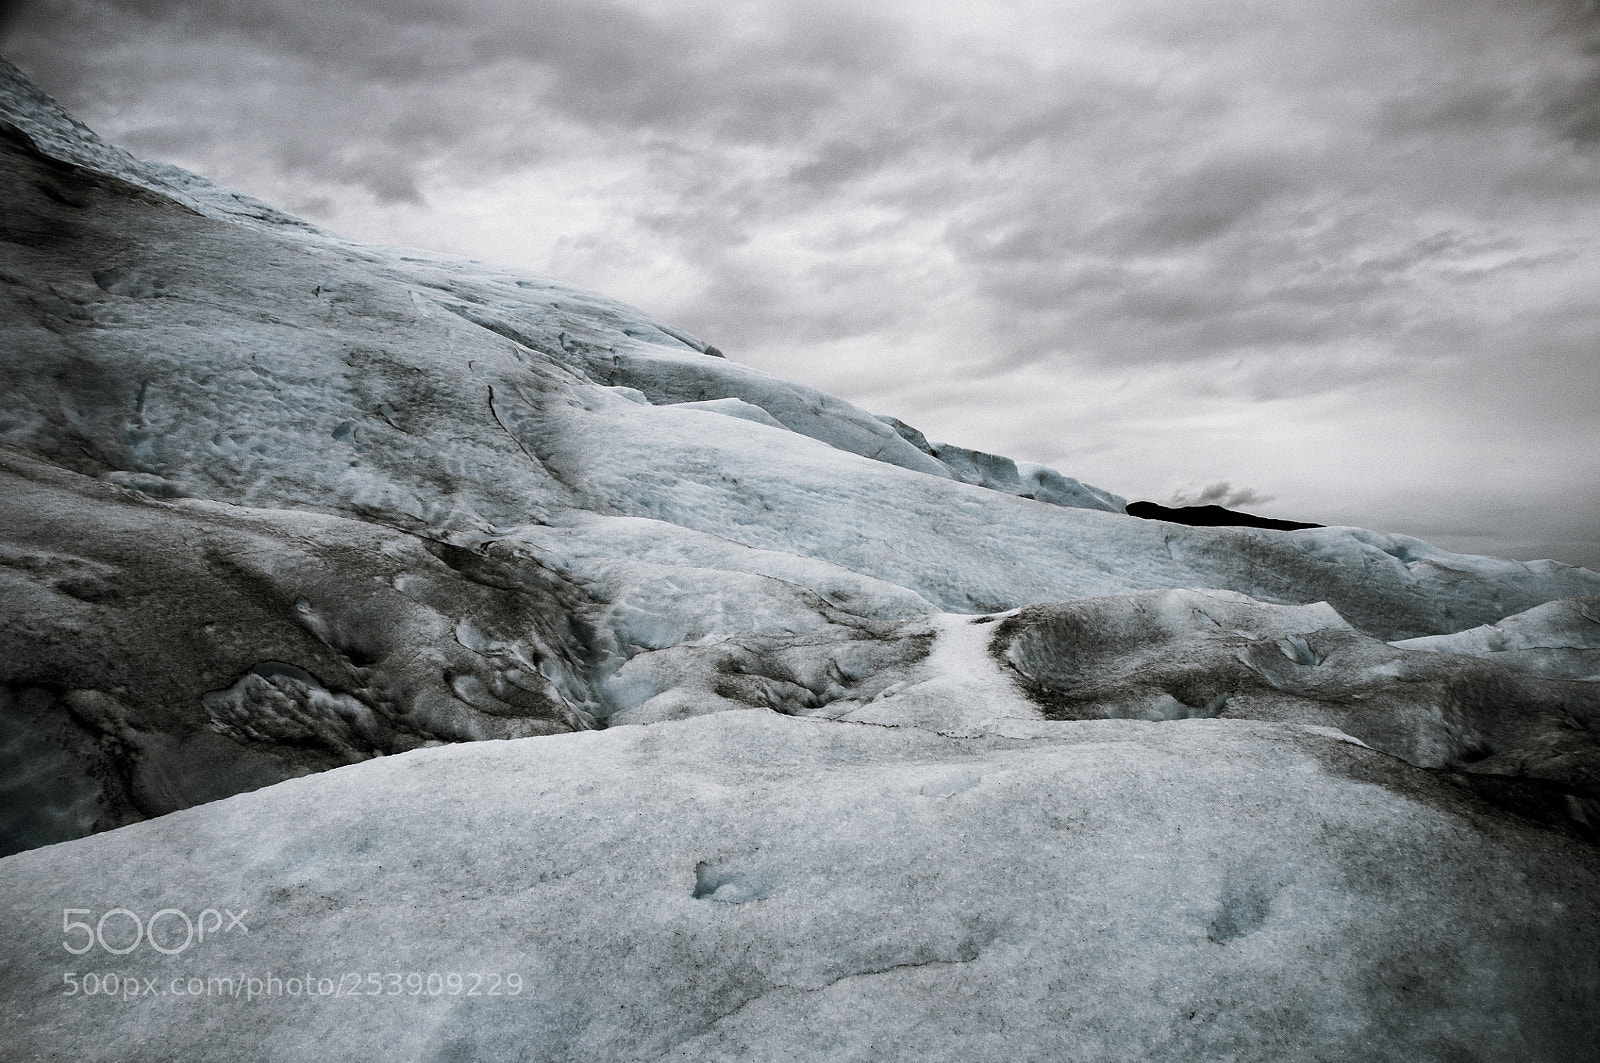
x=276 y=504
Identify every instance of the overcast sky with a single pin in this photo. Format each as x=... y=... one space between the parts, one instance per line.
x=1336 y=260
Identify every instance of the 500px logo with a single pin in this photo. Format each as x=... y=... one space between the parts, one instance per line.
x=170 y=920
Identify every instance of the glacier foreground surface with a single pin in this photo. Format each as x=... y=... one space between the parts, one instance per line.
x=812 y=738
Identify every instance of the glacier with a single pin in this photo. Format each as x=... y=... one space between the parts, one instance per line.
x=449 y=618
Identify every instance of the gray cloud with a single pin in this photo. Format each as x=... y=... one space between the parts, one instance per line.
x=1572 y=98
x=1220 y=493
x=375 y=93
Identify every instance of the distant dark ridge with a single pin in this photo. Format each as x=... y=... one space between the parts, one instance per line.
x=1210 y=517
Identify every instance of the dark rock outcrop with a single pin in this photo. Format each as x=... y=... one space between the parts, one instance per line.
x=1211 y=517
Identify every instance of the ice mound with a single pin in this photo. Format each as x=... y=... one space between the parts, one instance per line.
x=1560 y=640
x=1172 y=655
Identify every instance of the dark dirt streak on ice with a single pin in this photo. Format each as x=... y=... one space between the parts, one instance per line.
x=530 y=455
x=783 y=986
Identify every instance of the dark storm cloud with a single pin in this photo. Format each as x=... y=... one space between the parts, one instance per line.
x=1212 y=199
x=294 y=85
x=1572 y=104
x=374 y=93
x=1565 y=97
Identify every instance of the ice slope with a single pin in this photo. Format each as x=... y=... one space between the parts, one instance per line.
x=753 y=887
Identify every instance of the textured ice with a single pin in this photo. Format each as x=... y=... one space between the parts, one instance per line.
x=182 y=651
x=735 y=408
x=1169 y=655
x=1558 y=639
x=748 y=886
